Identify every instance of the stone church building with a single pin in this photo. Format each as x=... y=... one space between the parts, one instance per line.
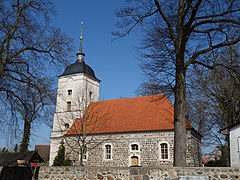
x=136 y=131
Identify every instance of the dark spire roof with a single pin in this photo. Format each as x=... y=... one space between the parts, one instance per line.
x=79 y=66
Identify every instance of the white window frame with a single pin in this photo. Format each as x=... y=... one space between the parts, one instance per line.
x=79 y=156
x=105 y=151
x=136 y=153
x=130 y=147
x=84 y=154
x=160 y=151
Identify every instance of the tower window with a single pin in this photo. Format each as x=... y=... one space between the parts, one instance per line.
x=69 y=92
x=90 y=95
x=68 y=106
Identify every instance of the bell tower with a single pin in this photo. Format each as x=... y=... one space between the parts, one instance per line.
x=77 y=87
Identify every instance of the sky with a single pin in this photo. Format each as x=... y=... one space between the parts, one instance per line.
x=115 y=62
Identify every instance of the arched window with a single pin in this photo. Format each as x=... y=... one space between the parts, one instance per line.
x=134 y=154
x=84 y=154
x=164 y=151
x=108 y=151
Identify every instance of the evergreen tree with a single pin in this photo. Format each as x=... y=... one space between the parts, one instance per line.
x=60 y=155
x=60 y=158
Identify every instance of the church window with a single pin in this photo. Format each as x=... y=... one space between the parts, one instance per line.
x=69 y=92
x=84 y=158
x=108 y=152
x=135 y=154
x=85 y=154
x=68 y=106
x=164 y=151
x=134 y=147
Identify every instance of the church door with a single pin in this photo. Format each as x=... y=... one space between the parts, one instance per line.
x=134 y=161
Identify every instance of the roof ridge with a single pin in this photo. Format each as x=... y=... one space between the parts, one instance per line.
x=136 y=97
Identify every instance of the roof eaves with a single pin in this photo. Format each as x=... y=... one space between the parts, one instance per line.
x=121 y=132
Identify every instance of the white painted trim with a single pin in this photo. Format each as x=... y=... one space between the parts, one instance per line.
x=79 y=154
x=159 y=150
x=132 y=153
x=104 y=152
x=130 y=147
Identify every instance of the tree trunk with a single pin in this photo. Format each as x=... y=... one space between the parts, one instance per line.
x=179 y=116
x=180 y=93
x=26 y=135
x=81 y=156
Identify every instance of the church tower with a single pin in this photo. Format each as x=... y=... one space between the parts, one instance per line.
x=77 y=87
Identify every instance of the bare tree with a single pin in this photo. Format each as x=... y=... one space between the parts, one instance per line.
x=81 y=137
x=33 y=107
x=178 y=35
x=215 y=102
x=92 y=118
x=29 y=46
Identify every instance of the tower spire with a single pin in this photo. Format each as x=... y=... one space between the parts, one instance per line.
x=80 y=54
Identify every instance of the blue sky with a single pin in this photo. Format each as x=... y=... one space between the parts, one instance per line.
x=114 y=61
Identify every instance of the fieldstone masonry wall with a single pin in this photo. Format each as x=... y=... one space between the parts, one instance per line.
x=148 y=154
x=138 y=173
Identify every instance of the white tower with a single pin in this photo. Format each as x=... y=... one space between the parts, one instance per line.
x=77 y=87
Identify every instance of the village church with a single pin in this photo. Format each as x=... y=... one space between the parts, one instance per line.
x=124 y=132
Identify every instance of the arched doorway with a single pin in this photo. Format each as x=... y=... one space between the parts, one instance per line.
x=134 y=161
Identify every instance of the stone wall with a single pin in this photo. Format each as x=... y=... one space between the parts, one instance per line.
x=137 y=173
x=147 y=154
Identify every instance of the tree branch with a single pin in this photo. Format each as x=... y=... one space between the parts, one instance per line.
x=170 y=28
x=197 y=54
x=213 y=21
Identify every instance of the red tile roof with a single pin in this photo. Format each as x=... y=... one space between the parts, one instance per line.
x=143 y=113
